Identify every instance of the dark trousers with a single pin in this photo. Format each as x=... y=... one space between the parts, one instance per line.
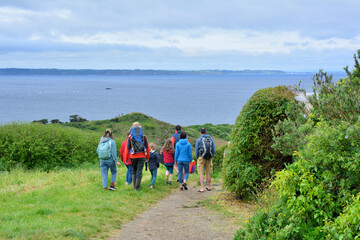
x=137 y=166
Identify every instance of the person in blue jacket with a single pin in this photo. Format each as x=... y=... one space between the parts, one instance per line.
x=183 y=156
x=111 y=162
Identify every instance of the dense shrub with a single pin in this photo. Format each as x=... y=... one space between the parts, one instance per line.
x=320 y=191
x=251 y=156
x=289 y=134
x=218 y=158
x=346 y=226
x=331 y=101
x=315 y=189
x=36 y=145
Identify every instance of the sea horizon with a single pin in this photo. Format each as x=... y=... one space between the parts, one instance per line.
x=176 y=99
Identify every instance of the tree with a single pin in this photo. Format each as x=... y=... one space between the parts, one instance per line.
x=43 y=121
x=55 y=121
x=77 y=118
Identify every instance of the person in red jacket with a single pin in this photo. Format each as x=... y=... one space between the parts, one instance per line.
x=126 y=161
x=168 y=153
x=137 y=149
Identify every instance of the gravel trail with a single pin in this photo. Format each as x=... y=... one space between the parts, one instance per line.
x=179 y=216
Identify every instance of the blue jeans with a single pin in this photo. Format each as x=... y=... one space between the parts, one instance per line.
x=153 y=176
x=104 y=167
x=129 y=174
x=183 y=165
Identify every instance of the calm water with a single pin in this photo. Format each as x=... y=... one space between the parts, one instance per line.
x=184 y=99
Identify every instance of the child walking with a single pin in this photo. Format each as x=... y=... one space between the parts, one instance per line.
x=168 y=151
x=154 y=163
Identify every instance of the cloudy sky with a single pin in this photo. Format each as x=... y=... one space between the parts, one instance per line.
x=293 y=35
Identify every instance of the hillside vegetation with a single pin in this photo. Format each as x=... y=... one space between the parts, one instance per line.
x=49 y=146
x=157 y=131
x=318 y=196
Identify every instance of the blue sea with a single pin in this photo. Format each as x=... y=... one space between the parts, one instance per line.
x=176 y=99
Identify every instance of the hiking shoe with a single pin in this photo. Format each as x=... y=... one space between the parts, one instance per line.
x=112 y=188
x=184 y=186
x=181 y=188
x=169 y=183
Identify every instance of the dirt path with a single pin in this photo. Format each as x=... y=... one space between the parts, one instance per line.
x=179 y=216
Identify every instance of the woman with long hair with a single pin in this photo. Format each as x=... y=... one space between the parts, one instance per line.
x=168 y=151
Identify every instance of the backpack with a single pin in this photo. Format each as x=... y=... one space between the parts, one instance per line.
x=206 y=150
x=192 y=166
x=104 y=150
x=137 y=140
x=176 y=137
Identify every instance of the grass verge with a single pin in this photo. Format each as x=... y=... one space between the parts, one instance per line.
x=70 y=203
x=237 y=212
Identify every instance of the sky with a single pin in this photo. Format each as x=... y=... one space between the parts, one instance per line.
x=292 y=35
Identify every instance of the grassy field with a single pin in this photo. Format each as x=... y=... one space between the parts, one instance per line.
x=40 y=201
x=70 y=203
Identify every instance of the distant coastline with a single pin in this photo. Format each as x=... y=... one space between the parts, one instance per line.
x=114 y=72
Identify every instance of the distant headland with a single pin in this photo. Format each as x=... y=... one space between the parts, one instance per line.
x=110 y=72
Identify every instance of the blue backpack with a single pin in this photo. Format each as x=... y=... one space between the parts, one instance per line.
x=137 y=140
x=104 y=150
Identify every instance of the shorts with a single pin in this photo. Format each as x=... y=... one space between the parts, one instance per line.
x=204 y=163
x=169 y=167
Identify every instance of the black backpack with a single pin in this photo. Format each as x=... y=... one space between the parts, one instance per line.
x=206 y=150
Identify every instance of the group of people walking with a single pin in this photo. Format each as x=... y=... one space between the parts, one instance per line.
x=136 y=151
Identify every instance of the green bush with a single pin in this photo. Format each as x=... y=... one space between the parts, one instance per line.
x=325 y=177
x=346 y=226
x=332 y=102
x=321 y=190
x=316 y=191
x=45 y=146
x=218 y=158
x=251 y=156
x=273 y=223
x=289 y=134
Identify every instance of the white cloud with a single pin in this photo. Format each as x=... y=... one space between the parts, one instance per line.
x=13 y=14
x=211 y=40
x=185 y=34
